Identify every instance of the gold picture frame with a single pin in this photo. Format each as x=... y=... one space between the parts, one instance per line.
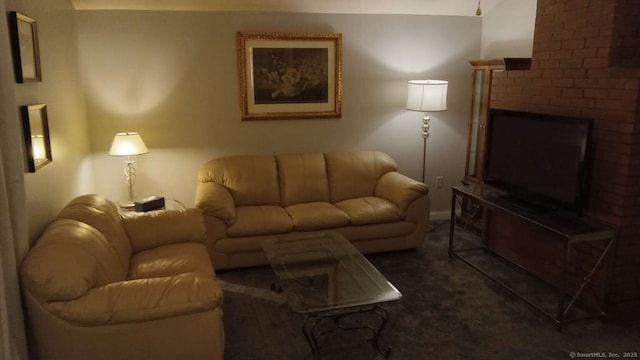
x=24 y=48
x=35 y=126
x=289 y=75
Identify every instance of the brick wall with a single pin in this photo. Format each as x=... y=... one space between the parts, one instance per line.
x=586 y=63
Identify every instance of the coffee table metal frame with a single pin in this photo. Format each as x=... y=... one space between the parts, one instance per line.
x=325 y=278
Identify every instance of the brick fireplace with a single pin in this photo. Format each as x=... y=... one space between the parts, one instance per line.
x=586 y=63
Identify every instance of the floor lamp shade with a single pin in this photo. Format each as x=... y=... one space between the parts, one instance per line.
x=427 y=95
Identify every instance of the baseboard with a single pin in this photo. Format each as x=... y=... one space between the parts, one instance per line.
x=440 y=215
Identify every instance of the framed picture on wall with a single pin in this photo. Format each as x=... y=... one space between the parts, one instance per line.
x=24 y=46
x=35 y=126
x=289 y=75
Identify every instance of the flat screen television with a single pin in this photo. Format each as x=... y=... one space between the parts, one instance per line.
x=538 y=158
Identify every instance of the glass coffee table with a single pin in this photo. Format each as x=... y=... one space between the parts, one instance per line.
x=324 y=277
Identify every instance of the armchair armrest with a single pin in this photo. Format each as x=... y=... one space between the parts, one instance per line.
x=215 y=200
x=153 y=229
x=400 y=189
x=141 y=300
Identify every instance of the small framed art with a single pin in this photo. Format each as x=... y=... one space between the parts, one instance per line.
x=24 y=46
x=289 y=75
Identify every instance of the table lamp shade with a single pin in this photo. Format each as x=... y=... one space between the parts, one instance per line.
x=127 y=144
x=427 y=95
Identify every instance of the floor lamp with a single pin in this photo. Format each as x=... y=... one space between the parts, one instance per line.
x=128 y=144
x=426 y=95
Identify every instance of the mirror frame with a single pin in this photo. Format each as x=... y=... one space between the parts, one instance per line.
x=36 y=124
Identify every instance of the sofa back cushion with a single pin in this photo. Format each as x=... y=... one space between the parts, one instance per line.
x=303 y=178
x=101 y=214
x=70 y=258
x=354 y=174
x=251 y=180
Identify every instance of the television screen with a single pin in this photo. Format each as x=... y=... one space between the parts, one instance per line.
x=539 y=158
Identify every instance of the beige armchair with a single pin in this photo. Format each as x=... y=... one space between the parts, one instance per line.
x=99 y=286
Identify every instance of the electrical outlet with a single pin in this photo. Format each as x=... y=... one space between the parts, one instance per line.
x=439 y=182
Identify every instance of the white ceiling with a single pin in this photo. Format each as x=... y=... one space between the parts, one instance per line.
x=418 y=7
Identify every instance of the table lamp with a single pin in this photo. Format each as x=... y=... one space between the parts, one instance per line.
x=128 y=144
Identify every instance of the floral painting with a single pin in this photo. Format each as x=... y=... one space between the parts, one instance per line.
x=290 y=75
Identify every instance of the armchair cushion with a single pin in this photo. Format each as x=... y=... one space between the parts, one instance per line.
x=170 y=260
x=152 y=229
x=141 y=300
x=102 y=215
x=61 y=266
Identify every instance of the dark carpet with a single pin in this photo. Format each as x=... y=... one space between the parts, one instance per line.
x=448 y=311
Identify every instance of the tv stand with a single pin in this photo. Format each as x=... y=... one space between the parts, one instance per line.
x=566 y=228
x=516 y=203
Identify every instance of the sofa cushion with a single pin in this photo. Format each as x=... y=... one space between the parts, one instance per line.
x=317 y=215
x=69 y=259
x=251 y=180
x=303 y=178
x=260 y=220
x=171 y=260
x=354 y=174
x=370 y=210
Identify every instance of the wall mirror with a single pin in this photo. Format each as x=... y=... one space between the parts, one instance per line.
x=36 y=136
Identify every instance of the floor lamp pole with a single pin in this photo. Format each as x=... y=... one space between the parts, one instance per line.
x=425 y=135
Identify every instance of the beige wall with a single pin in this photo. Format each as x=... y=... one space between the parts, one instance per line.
x=172 y=77
x=32 y=199
x=69 y=174
x=507 y=30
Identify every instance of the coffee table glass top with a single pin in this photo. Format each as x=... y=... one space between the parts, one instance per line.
x=323 y=272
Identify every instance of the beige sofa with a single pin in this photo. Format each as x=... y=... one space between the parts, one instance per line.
x=360 y=194
x=101 y=286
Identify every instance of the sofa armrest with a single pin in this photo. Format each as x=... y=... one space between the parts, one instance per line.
x=215 y=200
x=400 y=189
x=157 y=228
x=141 y=300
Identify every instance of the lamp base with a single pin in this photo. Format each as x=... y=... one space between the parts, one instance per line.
x=129 y=205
